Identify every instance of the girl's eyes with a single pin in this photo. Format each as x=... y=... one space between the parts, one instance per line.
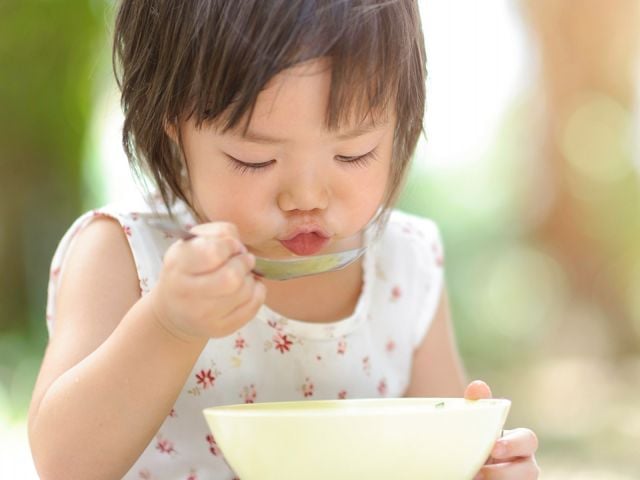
x=359 y=161
x=244 y=167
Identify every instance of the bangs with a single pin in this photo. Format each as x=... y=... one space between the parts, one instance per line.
x=208 y=60
x=239 y=47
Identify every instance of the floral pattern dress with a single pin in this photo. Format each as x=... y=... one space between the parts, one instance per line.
x=274 y=358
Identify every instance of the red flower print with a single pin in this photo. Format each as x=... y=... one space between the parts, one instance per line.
x=342 y=347
x=272 y=324
x=437 y=253
x=307 y=388
x=241 y=343
x=342 y=394
x=205 y=378
x=165 y=446
x=249 y=394
x=213 y=446
x=391 y=346
x=173 y=413
x=127 y=230
x=192 y=476
x=382 y=387
x=396 y=293
x=282 y=342
x=366 y=365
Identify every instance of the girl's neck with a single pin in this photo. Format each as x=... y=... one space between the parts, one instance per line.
x=318 y=299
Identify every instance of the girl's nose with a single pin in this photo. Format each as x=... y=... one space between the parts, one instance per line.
x=304 y=192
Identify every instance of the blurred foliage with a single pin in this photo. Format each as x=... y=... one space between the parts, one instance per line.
x=48 y=64
x=541 y=239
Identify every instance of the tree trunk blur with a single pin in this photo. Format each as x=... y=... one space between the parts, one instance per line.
x=589 y=53
x=47 y=64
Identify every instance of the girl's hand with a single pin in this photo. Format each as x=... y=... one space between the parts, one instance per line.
x=512 y=456
x=206 y=288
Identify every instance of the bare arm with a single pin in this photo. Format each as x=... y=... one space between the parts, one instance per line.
x=111 y=372
x=437 y=369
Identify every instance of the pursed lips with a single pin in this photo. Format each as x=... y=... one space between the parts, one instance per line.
x=306 y=240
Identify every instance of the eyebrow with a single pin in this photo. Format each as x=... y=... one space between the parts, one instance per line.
x=257 y=137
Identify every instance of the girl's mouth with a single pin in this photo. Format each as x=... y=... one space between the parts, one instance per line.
x=306 y=243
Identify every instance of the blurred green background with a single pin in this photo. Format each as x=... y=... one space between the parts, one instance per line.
x=530 y=167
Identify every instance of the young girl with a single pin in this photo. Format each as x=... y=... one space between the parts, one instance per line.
x=271 y=128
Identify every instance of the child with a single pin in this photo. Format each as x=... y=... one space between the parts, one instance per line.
x=277 y=127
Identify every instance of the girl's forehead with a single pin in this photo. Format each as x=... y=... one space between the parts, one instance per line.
x=298 y=98
x=268 y=135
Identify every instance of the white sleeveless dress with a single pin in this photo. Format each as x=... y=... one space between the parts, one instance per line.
x=273 y=358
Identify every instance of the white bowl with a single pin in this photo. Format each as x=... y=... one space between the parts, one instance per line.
x=367 y=439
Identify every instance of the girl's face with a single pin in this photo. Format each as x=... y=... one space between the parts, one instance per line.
x=289 y=184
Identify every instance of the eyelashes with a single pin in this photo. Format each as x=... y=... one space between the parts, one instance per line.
x=245 y=167
x=359 y=161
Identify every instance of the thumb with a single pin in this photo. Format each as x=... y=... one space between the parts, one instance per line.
x=477 y=390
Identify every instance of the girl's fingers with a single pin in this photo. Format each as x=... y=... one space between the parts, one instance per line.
x=248 y=309
x=477 y=390
x=202 y=255
x=226 y=306
x=216 y=295
x=521 y=468
x=520 y=442
x=227 y=280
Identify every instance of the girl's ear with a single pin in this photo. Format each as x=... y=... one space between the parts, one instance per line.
x=171 y=129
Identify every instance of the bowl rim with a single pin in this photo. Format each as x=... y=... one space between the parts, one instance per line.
x=356 y=406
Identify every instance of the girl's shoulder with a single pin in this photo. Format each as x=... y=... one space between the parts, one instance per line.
x=134 y=220
x=414 y=238
x=403 y=226
x=89 y=233
x=410 y=247
x=409 y=263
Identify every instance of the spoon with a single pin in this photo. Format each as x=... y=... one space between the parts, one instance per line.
x=286 y=269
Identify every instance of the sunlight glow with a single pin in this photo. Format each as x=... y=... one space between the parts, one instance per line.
x=478 y=58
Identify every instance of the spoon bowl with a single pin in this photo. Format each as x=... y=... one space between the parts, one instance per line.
x=281 y=269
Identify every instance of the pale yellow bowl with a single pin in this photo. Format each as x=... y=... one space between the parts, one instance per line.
x=390 y=439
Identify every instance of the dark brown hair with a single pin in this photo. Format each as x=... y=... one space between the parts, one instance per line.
x=209 y=60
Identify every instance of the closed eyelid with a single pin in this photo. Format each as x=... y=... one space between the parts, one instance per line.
x=246 y=167
x=358 y=160
x=249 y=164
x=254 y=164
x=350 y=160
